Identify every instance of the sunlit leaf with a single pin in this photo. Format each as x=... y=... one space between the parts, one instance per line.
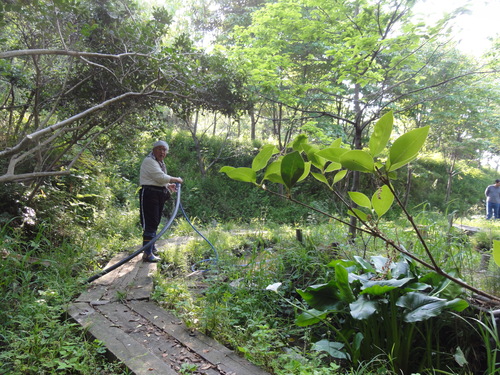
x=240 y=174
x=332 y=153
x=336 y=143
x=382 y=200
x=307 y=169
x=496 y=252
x=312 y=155
x=339 y=176
x=262 y=158
x=357 y=160
x=333 y=166
x=406 y=148
x=320 y=177
x=381 y=134
x=298 y=143
x=358 y=213
x=360 y=199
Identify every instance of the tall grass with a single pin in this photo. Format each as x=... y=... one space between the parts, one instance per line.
x=38 y=278
x=237 y=310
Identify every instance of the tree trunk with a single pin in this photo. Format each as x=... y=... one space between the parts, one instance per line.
x=251 y=113
x=450 y=179
x=357 y=143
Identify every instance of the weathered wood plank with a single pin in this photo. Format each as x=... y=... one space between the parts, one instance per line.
x=118 y=283
x=467 y=229
x=206 y=347
x=134 y=355
x=142 y=285
x=98 y=288
x=158 y=342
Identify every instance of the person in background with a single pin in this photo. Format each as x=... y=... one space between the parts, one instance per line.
x=156 y=186
x=492 y=194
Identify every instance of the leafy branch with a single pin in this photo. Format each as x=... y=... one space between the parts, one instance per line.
x=291 y=168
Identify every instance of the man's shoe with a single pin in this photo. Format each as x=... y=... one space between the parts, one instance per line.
x=155 y=250
x=151 y=258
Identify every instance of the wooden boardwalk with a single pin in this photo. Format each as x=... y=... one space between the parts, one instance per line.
x=149 y=340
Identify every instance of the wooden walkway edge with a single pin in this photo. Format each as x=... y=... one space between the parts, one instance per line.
x=116 y=310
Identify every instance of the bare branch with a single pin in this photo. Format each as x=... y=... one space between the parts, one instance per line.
x=38 y=52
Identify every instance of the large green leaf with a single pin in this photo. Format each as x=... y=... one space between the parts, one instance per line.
x=323 y=296
x=260 y=161
x=332 y=153
x=357 y=213
x=310 y=317
x=406 y=148
x=357 y=160
x=360 y=199
x=363 y=308
x=292 y=169
x=381 y=134
x=339 y=176
x=240 y=174
x=307 y=169
x=421 y=306
x=312 y=155
x=273 y=172
x=320 y=177
x=331 y=347
x=336 y=143
x=381 y=263
x=380 y=287
x=333 y=166
x=342 y=283
x=382 y=200
x=298 y=143
x=496 y=252
x=365 y=265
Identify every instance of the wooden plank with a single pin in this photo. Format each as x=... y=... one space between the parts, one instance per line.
x=134 y=355
x=123 y=276
x=142 y=285
x=467 y=229
x=206 y=347
x=99 y=287
x=117 y=284
x=158 y=342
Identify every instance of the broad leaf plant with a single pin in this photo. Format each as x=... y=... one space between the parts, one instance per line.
x=378 y=305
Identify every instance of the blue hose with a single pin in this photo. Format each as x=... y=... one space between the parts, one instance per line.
x=151 y=243
x=209 y=260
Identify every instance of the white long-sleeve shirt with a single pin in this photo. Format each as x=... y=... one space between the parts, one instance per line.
x=151 y=173
x=492 y=194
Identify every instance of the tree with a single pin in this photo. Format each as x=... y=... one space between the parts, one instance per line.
x=72 y=71
x=341 y=61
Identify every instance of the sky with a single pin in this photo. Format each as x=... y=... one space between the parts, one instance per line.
x=472 y=30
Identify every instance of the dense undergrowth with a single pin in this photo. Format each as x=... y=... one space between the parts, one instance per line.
x=253 y=300
x=53 y=241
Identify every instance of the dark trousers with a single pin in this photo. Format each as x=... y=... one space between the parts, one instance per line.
x=152 y=200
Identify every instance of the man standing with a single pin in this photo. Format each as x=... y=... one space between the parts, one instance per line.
x=156 y=186
x=492 y=194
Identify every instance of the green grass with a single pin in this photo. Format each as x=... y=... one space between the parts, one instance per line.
x=234 y=307
x=237 y=310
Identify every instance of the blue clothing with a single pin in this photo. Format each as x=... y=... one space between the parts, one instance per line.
x=492 y=194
